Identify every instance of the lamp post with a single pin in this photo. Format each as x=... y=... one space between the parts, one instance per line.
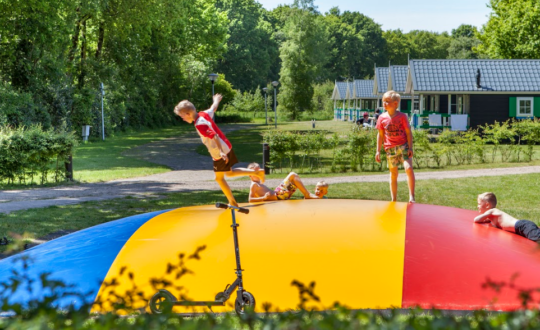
x=213 y=77
x=275 y=84
x=265 y=90
x=102 y=89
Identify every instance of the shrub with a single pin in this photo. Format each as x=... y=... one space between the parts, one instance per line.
x=359 y=145
x=27 y=152
x=232 y=117
x=247 y=102
x=282 y=145
x=422 y=148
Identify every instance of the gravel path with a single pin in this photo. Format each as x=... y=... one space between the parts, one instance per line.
x=190 y=173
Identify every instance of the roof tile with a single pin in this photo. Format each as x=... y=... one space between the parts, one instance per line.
x=364 y=89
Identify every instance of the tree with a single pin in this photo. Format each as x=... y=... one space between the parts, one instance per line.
x=33 y=57
x=464 y=30
x=373 y=51
x=462 y=48
x=322 y=103
x=251 y=50
x=55 y=54
x=345 y=45
x=428 y=45
x=304 y=55
x=512 y=31
x=398 y=47
x=463 y=43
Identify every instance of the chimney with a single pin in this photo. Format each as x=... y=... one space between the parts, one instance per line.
x=478 y=75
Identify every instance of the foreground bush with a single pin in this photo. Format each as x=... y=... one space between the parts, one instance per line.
x=42 y=314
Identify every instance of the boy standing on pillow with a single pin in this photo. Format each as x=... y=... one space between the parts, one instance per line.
x=396 y=136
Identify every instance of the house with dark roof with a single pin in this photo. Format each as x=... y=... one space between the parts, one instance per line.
x=351 y=99
x=340 y=94
x=350 y=113
x=484 y=90
x=397 y=81
x=365 y=101
x=380 y=82
x=364 y=94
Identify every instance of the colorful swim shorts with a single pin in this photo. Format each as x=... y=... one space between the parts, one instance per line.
x=285 y=190
x=397 y=155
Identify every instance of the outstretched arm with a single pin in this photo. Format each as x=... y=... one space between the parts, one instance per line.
x=483 y=218
x=266 y=197
x=217 y=98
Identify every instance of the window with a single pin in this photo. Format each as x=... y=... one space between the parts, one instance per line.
x=525 y=106
x=432 y=103
x=453 y=103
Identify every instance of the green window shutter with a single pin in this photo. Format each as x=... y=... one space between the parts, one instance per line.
x=512 y=109
x=409 y=105
x=536 y=110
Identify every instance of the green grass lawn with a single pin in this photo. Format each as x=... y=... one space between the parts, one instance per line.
x=103 y=160
x=516 y=194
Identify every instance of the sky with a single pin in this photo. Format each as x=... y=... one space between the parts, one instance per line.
x=430 y=15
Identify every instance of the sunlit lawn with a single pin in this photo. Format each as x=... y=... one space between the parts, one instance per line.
x=103 y=160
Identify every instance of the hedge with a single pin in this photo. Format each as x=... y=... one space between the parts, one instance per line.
x=30 y=152
x=354 y=150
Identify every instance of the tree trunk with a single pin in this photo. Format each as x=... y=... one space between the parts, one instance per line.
x=101 y=36
x=75 y=39
x=83 y=55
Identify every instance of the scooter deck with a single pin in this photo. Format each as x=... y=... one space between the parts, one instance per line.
x=199 y=303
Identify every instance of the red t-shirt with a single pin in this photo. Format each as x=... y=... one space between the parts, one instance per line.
x=394 y=129
x=207 y=130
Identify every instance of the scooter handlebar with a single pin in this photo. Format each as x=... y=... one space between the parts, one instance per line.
x=222 y=206
x=227 y=206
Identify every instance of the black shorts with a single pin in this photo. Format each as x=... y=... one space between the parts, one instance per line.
x=528 y=229
x=221 y=166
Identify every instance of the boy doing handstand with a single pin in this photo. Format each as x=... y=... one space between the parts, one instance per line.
x=217 y=143
x=258 y=192
x=486 y=205
x=395 y=132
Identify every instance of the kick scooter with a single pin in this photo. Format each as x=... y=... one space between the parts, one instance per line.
x=163 y=300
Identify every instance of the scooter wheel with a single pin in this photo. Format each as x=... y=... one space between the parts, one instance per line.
x=161 y=302
x=248 y=303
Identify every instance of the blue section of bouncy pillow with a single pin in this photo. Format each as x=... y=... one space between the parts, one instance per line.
x=82 y=258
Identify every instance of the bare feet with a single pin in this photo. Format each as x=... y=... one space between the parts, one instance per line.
x=311 y=196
